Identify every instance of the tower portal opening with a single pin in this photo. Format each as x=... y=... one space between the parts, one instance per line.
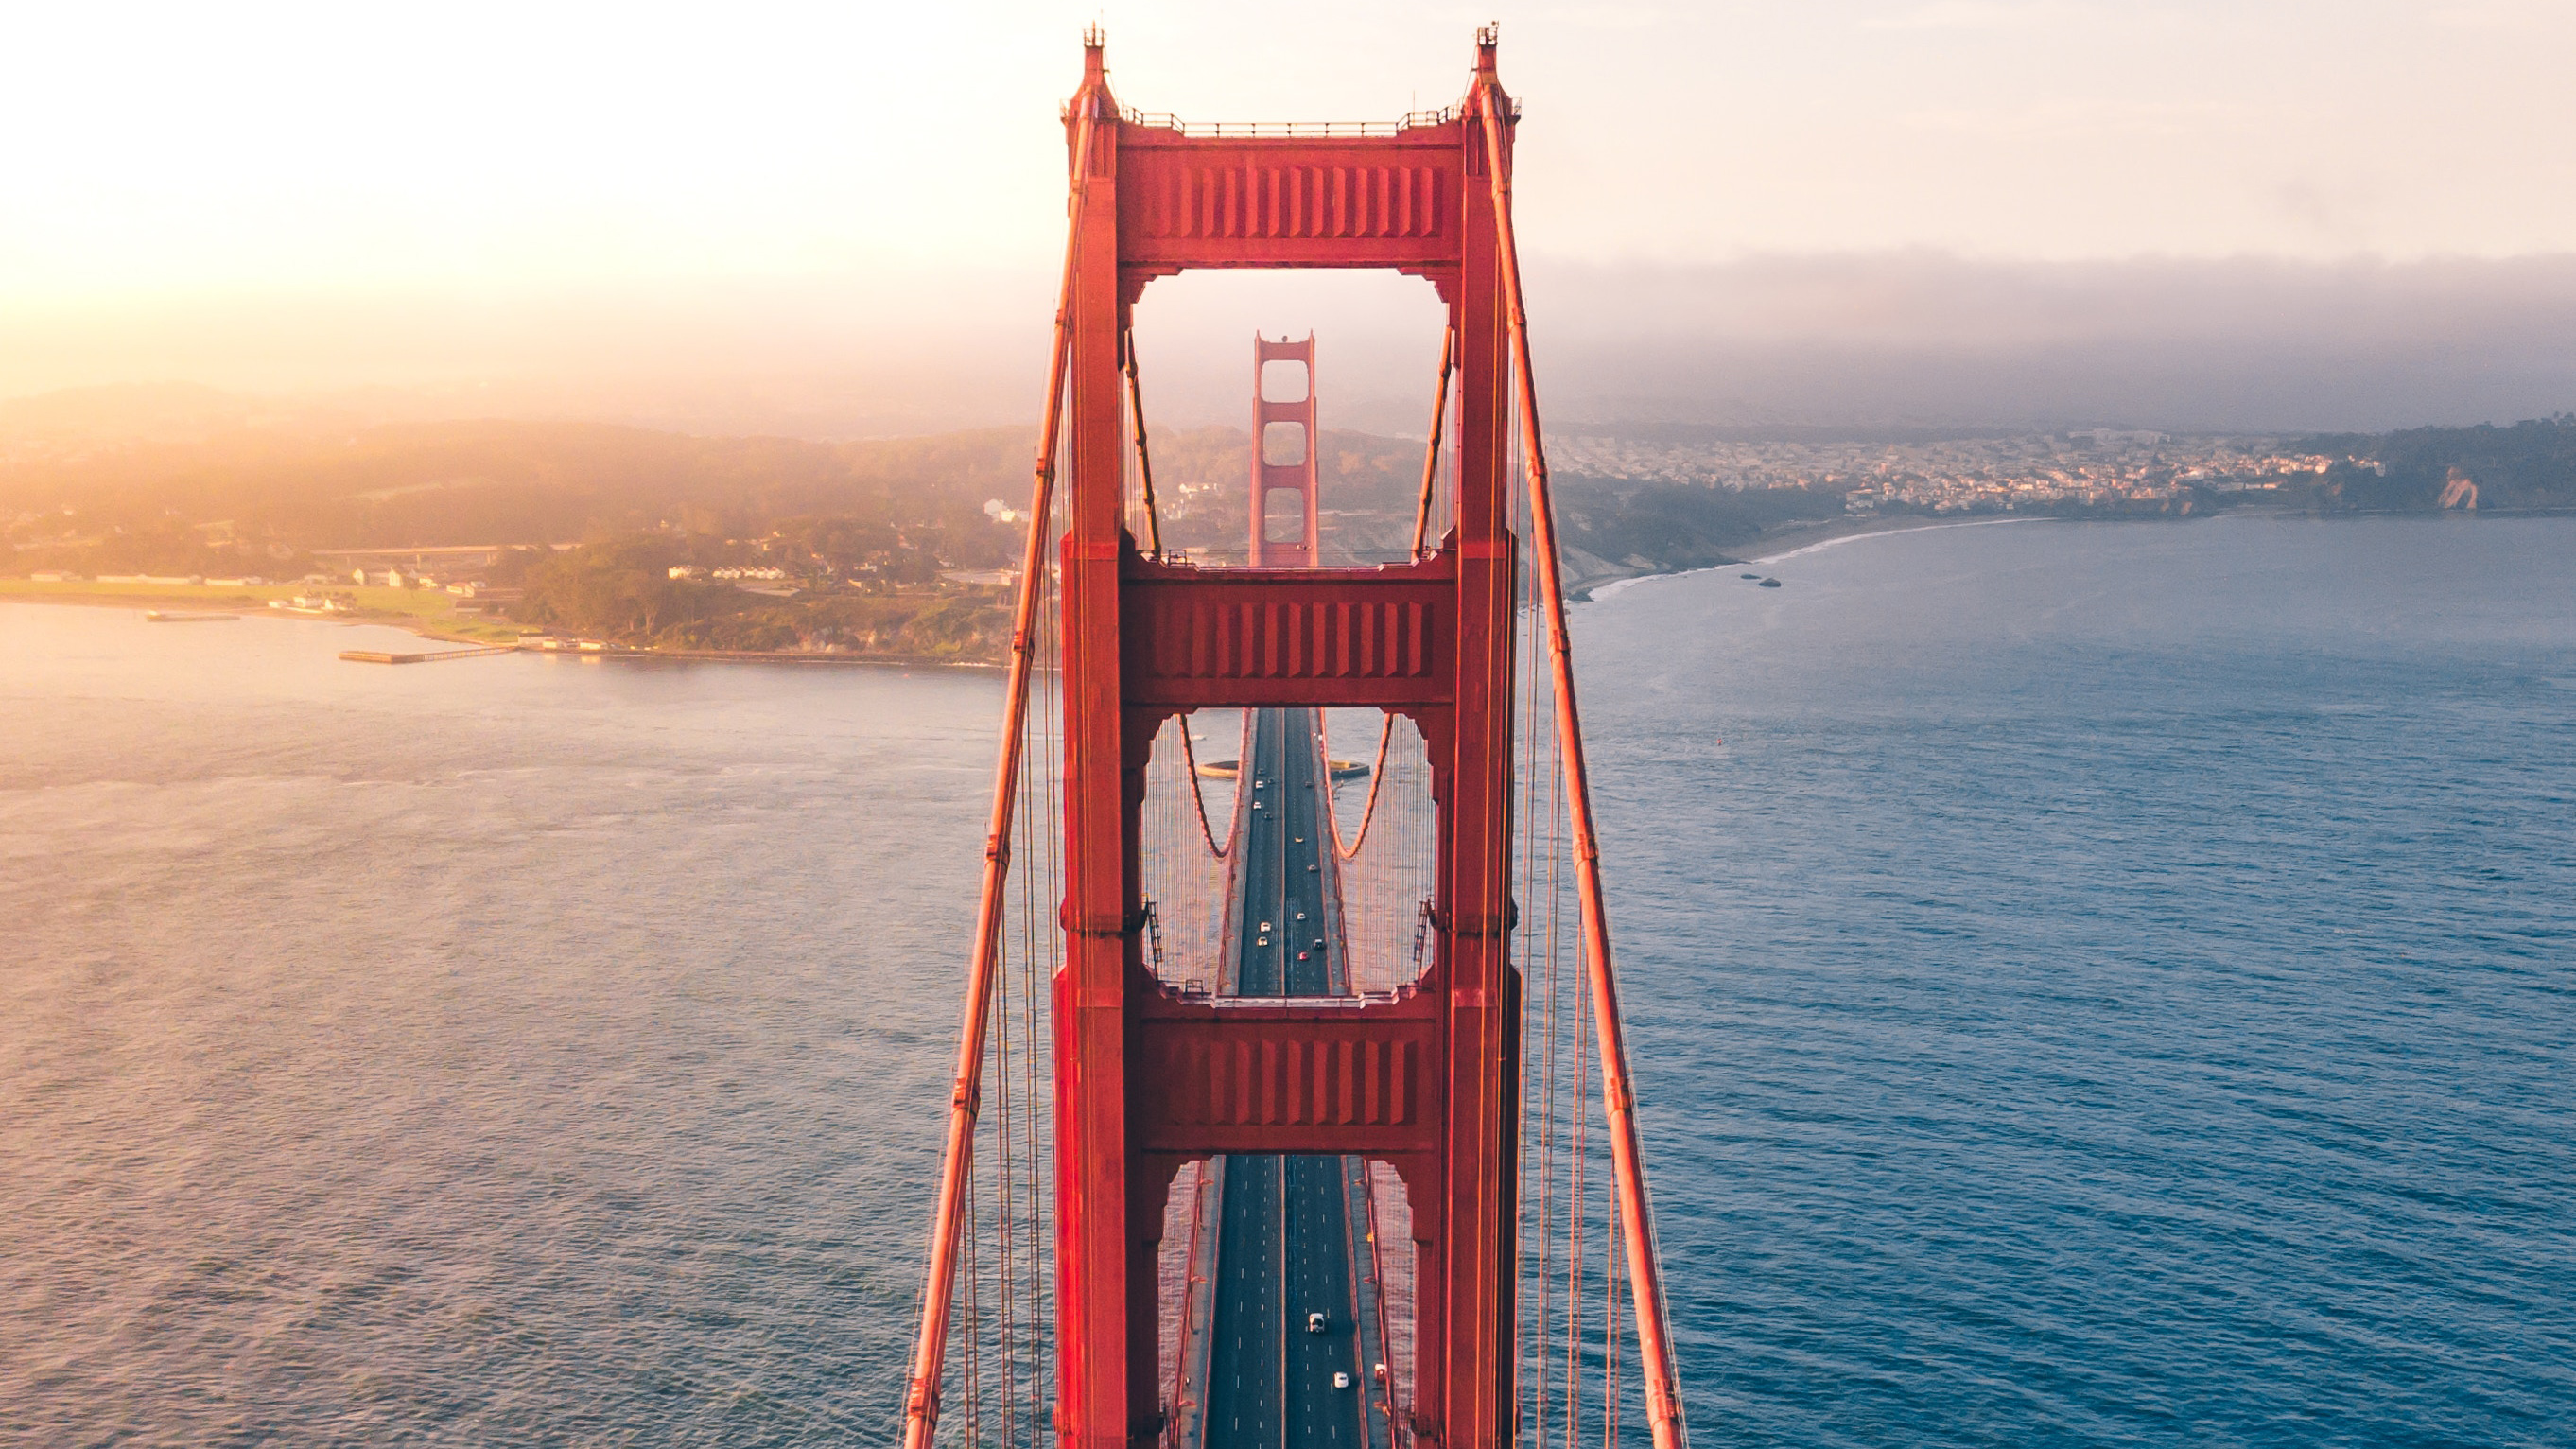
x=1370 y=393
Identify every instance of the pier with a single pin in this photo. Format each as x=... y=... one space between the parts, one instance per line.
x=433 y=656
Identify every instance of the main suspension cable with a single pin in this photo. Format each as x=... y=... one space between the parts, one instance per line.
x=921 y=1399
x=1421 y=533
x=1154 y=548
x=1207 y=832
x=1431 y=454
x=1144 y=459
x=1618 y=1094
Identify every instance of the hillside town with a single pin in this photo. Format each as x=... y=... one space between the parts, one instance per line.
x=2085 y=467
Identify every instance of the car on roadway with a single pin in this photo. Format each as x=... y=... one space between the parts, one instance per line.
x=1341 y=1380
x=1314 y=1323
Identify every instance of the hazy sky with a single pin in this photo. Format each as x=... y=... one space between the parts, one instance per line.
x=374 y=183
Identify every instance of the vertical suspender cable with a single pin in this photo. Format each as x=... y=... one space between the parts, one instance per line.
x=1619 y=1099
x=921 y=1401
x=1578 y=1213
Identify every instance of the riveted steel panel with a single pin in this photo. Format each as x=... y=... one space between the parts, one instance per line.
x=1376 y=202
x=1223 y=637
x=1255 y=1080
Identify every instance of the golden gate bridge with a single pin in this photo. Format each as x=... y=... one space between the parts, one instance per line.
x=1292 y=1101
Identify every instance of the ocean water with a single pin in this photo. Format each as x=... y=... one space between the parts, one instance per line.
x=2109 y=984
x=2103 y=984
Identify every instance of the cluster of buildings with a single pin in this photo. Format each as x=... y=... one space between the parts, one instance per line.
x=395 y=579
x=2092 y=466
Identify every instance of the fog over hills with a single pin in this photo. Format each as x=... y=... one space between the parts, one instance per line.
x=1863 y=342
x=2246 y=345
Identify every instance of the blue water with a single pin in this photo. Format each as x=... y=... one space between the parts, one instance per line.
x=2110 y=985
x=2093 y=985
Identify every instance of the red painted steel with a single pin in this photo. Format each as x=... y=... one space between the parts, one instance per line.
x=1290 y=1078
x=1202 y=638
x=1431 y=452
x=1295 y=416
x=1108 y=1214
x=1424 y=1081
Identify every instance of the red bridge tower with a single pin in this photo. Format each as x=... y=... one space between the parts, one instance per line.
x=1147 y=1079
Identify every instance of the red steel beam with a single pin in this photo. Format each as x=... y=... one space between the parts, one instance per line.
x=1188 y=201
x=1107 y=1394
x=1465 y=1302
x=1289 y=1078
x=1215 y=638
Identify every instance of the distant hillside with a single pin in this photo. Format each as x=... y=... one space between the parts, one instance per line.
x=419 y=484
x=2525 y=465
x=492 y=481
x=178 y=479
x=1613 y=529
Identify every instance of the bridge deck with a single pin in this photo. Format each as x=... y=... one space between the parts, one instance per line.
x=1284 y=1250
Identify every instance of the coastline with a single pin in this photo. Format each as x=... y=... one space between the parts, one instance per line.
x=1806 y=538
x=250 y=602
x=776 y=656
x=1827 y=538
x=1789 y=541
x=1589 y=578
x=237 y=604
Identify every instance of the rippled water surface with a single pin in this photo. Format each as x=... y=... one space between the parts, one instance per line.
x=2094 y=985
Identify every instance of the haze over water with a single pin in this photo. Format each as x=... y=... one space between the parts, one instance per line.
x=2092 y=985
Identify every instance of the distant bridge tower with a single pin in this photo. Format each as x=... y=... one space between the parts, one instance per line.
x=1283 y=459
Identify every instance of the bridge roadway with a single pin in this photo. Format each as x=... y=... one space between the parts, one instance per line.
x=1284 y=1248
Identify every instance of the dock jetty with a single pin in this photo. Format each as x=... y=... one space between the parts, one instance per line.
x=379 y=656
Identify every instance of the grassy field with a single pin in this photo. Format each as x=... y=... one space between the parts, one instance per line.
x=431 y=610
